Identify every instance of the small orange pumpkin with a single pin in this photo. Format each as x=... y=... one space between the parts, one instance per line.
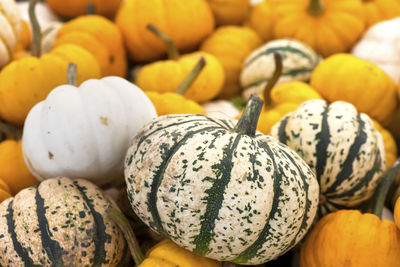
x=232 y=12
x=74 y=8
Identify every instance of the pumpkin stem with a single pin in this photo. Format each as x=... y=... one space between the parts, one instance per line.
x=191 y=77
x=275 y=77
x=90 y=9
x=37 y=34
x=71 y=74
x=10 y=130
x=378 y=199
x=316 y=7
x=123 y=223
x=173 y=53
x=247 y=123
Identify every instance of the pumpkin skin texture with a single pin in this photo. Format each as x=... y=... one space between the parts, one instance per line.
x=379 y=10
x=166 y=76
x=4 y=191
x=25 y=38
x=351 y=79
x=390 y=144
x=13 y=169
x=257 y=20
x=222 y=109
x=349 y=238
x=74 y=8
x=232 y=12
x=99 y=36
x=298 y=61
x=107 y=113
x=41 y=75
x=335 y=30
x=167 y=254
x=186 y=22
x=341 y=145
x=74 y=230
x=234 y=175
x=231 y=45
x=10 y=29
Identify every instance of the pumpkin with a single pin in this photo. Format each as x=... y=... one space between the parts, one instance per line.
x=379 y=10
x=379 y=44
x=390 y=144
x=351 y=79
x=74 y=8
x=222 y=109
x=232 y=12
x=221 y=191
x=261 y=20
x=4 y=191
x=298 y=61
x=10 y=28
x=45 y=15
x=187 y=23
x=60 y=222
x=107 y=113
x=341 y=146
x=99 y=36
x=167 y=254
x=231 y=45
x=328 y=26
x=25 y=37
x=166 y=75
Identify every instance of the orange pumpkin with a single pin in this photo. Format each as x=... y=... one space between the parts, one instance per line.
x=4 y=191
x=74 y=8
x=397 y=212
x=379 y=10
x=232 y=12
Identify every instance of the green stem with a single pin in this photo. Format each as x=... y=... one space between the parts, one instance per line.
x=72 y=74
x=274 y=79
x=10 y=130
x=191 y=77
x=247 y=123
x=378 y=199
x=172 y=51
x=90 y=9
x=316 y=7
x=37 y=34
x=130 y=237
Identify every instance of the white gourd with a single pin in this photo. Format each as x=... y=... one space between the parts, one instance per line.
x=10 y=28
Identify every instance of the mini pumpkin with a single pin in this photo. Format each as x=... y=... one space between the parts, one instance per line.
x=261 y=20
x=4 y=191
x=232 y=12
x=10 y=29
x=379 y=10
x=75 y=8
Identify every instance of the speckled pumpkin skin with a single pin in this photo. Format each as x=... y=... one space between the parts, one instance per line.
x=220 y=194
x=61 y=222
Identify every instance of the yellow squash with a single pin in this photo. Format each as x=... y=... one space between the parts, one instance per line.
x=261 y=20
x=74 y=8
x=231 y=12
x=231 y=45
x=379 y=10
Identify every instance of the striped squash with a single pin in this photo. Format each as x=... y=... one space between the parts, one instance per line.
x=341 y=145
x=298 y=61
x=10 y=29
x=60 y=222
x=224 y=192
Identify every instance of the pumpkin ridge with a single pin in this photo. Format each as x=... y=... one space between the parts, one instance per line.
x=321 y=148
x=226 y=125
x=283 y=137
x=21 y=251
x=52 y=247
x=99 y=233
x=347 y=169
x=158 y=177
x=215 y=197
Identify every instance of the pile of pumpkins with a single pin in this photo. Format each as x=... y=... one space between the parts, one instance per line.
x=202 y=132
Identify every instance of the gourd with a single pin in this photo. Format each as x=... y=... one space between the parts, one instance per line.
x=4 y=191
x=378 y=45
x=222 y=191
x=166 y=75
x=341 y=146
x=380 y=10
x=231 y=45
x=359 y=82
x=298 y=61
x=84 y=132
x=60 y=222
x=187 y=23
x=10 y=28
x=222 y=109
x=75 y=8
x=261 y=19
x=232 y=12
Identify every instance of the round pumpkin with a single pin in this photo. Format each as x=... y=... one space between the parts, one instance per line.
x=186 y=22
x=379 y=10
x=4 y=191
x=261 y=20
x=232 y=12
x=222 y=191
x=60 y=222
x=341 y=146
x=231 y=45
x=74 y=8
x=10 y=29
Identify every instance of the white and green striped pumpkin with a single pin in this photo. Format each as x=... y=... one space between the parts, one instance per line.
x=341 y=145
x=222 y=191
x=60 y=222
x=298 y=60
x=10 y=28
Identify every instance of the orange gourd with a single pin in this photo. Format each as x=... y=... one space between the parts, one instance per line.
x=4 y=191
x=74 y=8
x=232 y=12
x=379 y=10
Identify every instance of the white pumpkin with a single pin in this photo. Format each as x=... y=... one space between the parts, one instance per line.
x=10 y=29
x=84 y=132
x=43 y=13
x=221 y=109
x=381 y=46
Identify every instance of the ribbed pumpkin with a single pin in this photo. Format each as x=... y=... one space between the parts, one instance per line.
x=25 y=38
x=232 y=12
x=231 y=45
x=222 y=191
x=74 y=8
x=60 y=222
x=342 y=147
x=186 y=22
x=298 y=61
x=379 y=10
x=261 y=19
x=10 y=28
x=357 y=81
